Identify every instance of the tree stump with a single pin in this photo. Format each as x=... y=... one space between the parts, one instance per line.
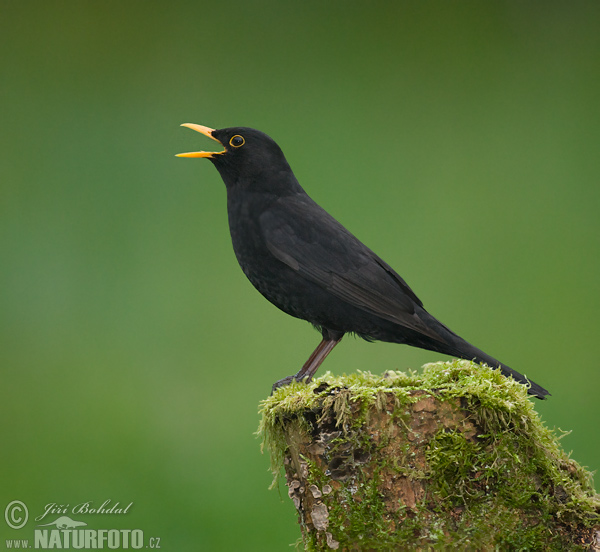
x=454 y=458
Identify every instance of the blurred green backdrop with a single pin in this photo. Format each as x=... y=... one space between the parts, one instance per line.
x=459 y=140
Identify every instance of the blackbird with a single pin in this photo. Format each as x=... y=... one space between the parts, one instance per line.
x=307 y=264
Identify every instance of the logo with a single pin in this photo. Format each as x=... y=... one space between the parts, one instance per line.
x=64 y=522
x=60 y=530
x=16 y=514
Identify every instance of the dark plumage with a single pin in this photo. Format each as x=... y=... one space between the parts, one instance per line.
x=307 y=264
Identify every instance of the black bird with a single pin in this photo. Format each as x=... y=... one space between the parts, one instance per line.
x=307 y=264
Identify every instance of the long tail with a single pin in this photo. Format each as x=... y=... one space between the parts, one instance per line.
x=473 y=353
x=455 y=345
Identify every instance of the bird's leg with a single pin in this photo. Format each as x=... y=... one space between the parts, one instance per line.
x=312 y=364
x=316 y=359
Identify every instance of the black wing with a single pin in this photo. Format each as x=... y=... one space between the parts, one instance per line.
x=310 y=241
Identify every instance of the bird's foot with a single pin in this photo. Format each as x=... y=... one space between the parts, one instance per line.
x=286 y=381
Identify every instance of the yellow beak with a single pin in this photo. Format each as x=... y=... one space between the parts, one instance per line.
x=207 y=132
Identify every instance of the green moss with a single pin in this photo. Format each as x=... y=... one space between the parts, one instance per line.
x=431 y=460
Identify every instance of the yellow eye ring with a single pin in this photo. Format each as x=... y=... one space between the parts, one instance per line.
x=237 y=141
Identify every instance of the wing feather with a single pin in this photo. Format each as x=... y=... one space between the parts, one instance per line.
x=310 y=241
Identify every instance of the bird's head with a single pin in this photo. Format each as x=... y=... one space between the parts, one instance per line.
x=250 y=159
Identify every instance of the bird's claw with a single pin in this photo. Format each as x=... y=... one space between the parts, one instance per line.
x=285 y=381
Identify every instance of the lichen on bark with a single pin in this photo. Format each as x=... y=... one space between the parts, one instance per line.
x=455 y=457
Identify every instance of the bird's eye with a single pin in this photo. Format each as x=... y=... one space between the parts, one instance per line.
x=237 y=141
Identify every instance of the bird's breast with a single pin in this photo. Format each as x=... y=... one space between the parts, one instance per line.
x=275 y=280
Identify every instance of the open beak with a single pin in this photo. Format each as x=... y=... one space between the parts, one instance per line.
x=207 y=132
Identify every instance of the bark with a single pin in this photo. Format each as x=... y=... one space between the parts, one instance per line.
x=381 y=464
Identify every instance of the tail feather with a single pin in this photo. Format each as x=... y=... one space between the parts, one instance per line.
x=452 y=344
x=468 y=352
x=534 y=388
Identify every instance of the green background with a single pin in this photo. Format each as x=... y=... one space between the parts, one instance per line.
x=458 y=140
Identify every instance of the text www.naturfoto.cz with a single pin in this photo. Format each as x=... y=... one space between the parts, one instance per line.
x=85 y=539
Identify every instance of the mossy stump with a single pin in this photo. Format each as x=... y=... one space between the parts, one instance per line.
x=454 y=458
